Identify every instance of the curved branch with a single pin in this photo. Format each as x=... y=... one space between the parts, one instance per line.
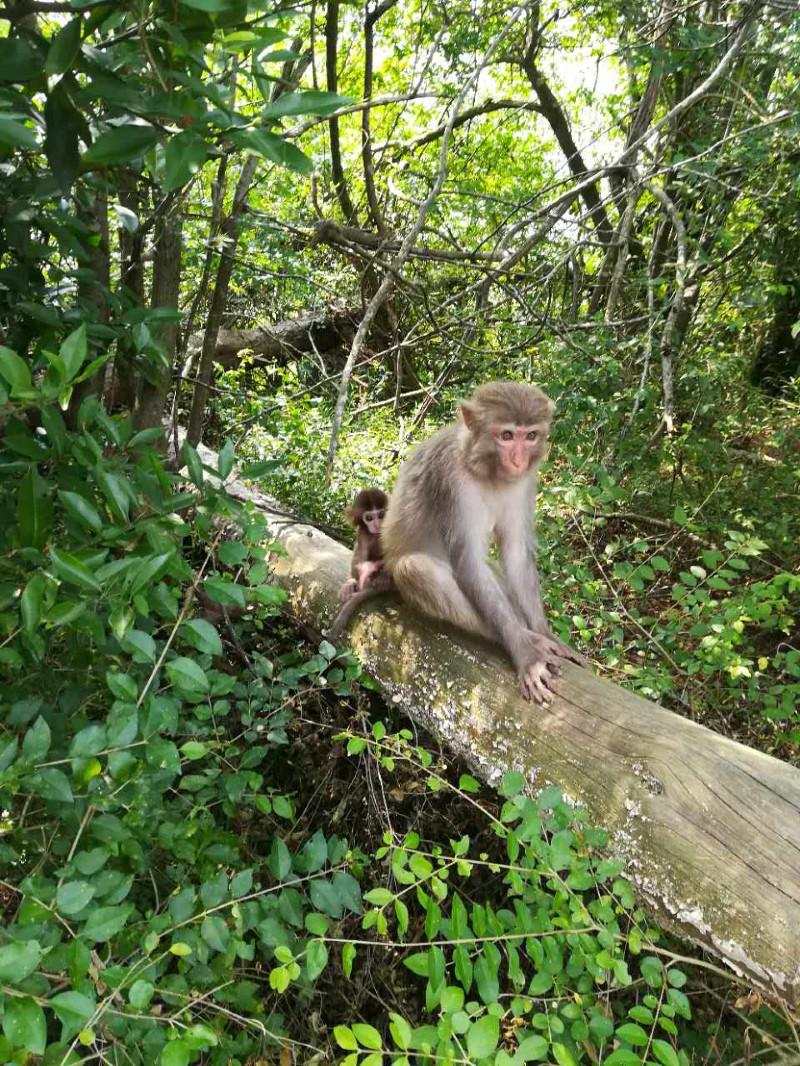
x=331 y=42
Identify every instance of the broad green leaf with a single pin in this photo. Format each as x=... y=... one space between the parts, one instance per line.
x=665 y=1053
x=37 y=741
x=563 y=1055
x=114 y=488
x=120 y=145
x=193 y=749
x=70 y=569
x=88 y=741
x=401 y=1031
x=19 y=60
x=79 y=508
x=483 y=1036
x=139 y=645
x=54 y=785
x=184 y=154
x=275 y=148
x=367 y=1036
x=310 y=102
x=176 y=1053
x=140 y=994
x=34 y=510
x=344 y=1038
x=15 y=371
x=623 y=1057
x=215 y=932
x=63 y=123
x=203 y=636
x=532 y=1048
x=348 y=958
x=223 y=591
x=226 y=459
x=73 y=896
x=105 y=922
x=187 y=675
x=123 y=686
x=30 y=603
x=63 y=48
x=73 y=352
x=19 y=960
x=16 y=135
x=316 y=959
x=24 y=1024
x=193 y=464
x=73 y=1010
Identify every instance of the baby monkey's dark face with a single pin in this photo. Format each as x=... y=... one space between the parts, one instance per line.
x=373 y=520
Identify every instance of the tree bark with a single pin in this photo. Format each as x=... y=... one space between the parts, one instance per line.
x=337 y=170
x=166 y=294
x=230 y=238
x=709 y=829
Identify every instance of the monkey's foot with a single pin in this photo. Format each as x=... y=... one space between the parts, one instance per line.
x=538 y=668
x=348 y=589
x=566 y=652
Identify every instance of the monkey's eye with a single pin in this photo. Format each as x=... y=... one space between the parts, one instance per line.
x=506 y=435
x=533 y=435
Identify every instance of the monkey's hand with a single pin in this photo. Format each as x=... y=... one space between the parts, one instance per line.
x=538 y=666
x=348 y=589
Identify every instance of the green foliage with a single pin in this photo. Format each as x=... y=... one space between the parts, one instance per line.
x=133 y=752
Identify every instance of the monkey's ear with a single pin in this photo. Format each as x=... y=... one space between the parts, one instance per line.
x=469 y=413
x=350 y=516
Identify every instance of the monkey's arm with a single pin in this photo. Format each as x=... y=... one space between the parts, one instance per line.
x=518 y=555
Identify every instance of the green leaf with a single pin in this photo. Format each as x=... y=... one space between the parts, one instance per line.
x=316 y=959
x=123 y=686
x=73 y=1010
x=310 y=102
x=19 y=960
x=37 y=741
x=19 y=61
x=15 y=371
x=193 y=749
x=253 y=471
x=113 y=487
x=193 y=464
x=483 y=1036
x=105 y=922
x=379 y=896
x=215 y=932
x=226 y=459
x=512 y=784
x=54 y=785
x=73 y=896
x=63 y=123
x=367 y=1036
x=34 y=510
x=184 y=154
x=665 y=1053
x=564 y=1056
x=223 y=591
x=73 y=352
x=81 y=510
x=139 y=645
x=623 y=1057
x=203 y=636
x=272 y=147
x=187 y=675
x=24 y=1024
x=348 y=958
x=120 y=145
x=141 y=994
x=532 y=1048
x=176 y=1053
x=63 y=48
x=15 y=134
x=70 y=569
x=633 y=1034
x=417 y=963
x=344 y=1038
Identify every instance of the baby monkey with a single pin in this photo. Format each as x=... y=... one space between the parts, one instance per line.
x=367 y=574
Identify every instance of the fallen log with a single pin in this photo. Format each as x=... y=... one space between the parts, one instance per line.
x=709 y=829
x=282 y=340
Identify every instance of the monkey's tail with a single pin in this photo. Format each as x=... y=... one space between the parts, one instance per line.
x=348 y=609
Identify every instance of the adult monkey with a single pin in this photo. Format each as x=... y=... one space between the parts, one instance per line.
x=473 y=479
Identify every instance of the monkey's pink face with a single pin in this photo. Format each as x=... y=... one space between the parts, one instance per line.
x=372 y=520
x=517 y=448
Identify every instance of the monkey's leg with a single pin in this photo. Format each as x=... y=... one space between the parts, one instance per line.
x=347 y=590
x=429 y=584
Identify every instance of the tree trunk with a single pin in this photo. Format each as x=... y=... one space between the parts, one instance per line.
x=709 y=829
x=230 y=238
x=166 y=294
x=131 y=282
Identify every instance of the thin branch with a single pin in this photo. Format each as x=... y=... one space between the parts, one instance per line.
x=377 y=300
